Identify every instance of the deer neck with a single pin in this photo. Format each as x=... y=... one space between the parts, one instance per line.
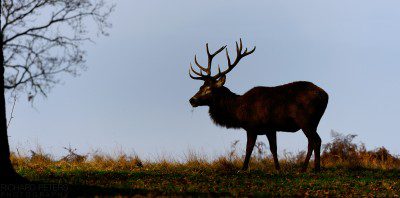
x=224 y=107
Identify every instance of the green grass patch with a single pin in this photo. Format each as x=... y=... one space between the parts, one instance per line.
x=186 y=181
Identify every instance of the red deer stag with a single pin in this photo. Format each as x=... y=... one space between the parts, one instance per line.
x=262 y=110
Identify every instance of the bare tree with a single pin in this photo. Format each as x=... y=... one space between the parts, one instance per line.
x=41 y=40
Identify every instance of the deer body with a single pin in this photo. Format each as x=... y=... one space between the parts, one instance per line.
x=262 y=110
x=288 y=107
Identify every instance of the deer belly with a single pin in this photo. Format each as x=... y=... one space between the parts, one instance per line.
x=282 y=124
x=287 y=125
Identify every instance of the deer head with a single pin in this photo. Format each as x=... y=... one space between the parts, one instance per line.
x=212 y=84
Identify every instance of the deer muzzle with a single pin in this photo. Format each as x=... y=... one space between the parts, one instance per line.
x=194 y=102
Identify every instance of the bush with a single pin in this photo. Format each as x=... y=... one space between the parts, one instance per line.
x=343 y=152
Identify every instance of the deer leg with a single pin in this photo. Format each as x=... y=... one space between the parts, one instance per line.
x=251 y=140
x=272 y=146
x=314 y=143
x=317 y=150
x=309 y=151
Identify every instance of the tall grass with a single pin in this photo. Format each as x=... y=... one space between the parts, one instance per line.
x=341 y=152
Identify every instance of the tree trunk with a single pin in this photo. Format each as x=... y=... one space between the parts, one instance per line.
x=7 y=172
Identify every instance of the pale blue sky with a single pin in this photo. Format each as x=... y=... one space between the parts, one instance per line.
x=134 y=96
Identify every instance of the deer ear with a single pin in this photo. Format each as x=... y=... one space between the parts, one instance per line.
x=221 y=81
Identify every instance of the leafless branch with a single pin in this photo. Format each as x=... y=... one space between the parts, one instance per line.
x=12 y=111
x=42 y=39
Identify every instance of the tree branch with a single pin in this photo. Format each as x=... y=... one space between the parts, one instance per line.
x=36 y=53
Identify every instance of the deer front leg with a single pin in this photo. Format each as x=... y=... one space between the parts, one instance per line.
x=272 y=146
x=308 y=156
x=251 y=140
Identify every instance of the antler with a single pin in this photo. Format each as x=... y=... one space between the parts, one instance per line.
x=208 y=69
x=240 y=55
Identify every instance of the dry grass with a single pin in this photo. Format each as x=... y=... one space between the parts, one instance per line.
x=349 y=170
x=340 y=152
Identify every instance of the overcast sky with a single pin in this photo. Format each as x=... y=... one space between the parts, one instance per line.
x=134 y=96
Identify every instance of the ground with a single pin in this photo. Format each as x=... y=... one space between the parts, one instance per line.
x=180 y=180
x=349 y=170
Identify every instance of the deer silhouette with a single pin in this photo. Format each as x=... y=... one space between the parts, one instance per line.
x=261 y=110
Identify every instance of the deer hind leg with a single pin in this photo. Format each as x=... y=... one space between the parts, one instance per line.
x=314 y=144
x=251 y=140
x=317 y=152
x=272 y=146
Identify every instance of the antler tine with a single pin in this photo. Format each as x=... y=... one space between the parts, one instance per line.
x=195 y=78
x=241 y=44
x=215 y=53
x=198 y=65
x=227 y=57
x=200 y=74
x=237 y=48
x=194 y=71
x=208 y=50
x=251 y=51
x=211 y=56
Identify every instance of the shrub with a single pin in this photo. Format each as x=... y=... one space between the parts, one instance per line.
x=342 y=151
